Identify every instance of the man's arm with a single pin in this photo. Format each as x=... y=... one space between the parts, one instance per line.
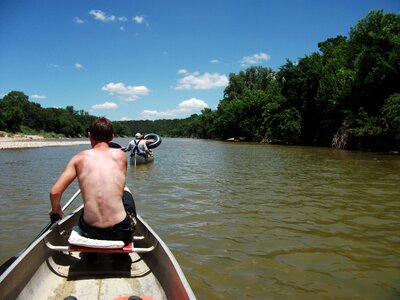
x=148 y=152
x=129 y=147
x=65 y=179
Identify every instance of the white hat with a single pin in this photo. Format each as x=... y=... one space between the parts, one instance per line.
x=138 y=135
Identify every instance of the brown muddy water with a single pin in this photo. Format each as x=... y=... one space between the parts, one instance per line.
x=245 y=221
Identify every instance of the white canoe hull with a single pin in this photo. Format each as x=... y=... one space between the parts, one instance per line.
x=139 y=160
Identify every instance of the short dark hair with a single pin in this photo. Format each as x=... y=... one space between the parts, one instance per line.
x=101 y=129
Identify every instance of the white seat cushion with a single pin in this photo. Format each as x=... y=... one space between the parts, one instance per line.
x=77 y=239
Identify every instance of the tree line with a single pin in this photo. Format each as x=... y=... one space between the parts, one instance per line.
x=18 y=114
x=345 y=95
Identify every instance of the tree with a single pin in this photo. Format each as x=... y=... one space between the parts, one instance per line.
x=254 y=78
x=375 y=54
x=390 y=115
x=281 y=121
x=239 y=113
x=300 y=84
x=13 y=106
x=335 y=87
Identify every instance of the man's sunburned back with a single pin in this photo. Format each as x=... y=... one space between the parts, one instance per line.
x=101 y=177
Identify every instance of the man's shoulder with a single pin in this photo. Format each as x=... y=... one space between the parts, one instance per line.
x=118 y=152
x=84 y=152
x=81 y=155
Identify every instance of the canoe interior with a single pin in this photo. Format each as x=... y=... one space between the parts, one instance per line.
x=41 y=273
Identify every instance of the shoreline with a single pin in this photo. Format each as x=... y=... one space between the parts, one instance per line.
x=35 y=141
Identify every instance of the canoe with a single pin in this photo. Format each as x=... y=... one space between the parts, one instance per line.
x=139 y=160
x=48 y=269
x=153 y=140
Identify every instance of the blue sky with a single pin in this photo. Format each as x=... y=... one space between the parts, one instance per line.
x=155 y=59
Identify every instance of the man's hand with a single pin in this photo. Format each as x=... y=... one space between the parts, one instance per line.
x=56 y=215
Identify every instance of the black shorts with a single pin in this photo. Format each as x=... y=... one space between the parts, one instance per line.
x=123 y=231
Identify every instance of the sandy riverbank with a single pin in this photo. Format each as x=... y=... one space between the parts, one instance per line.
x=35 y=141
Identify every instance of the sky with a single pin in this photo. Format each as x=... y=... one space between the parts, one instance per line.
x=157 y=59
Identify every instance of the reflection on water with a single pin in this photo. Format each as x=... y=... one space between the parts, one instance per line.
x=245 y=221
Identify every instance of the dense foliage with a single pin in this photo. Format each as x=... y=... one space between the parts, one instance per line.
x=16 y=112
x=346 y=95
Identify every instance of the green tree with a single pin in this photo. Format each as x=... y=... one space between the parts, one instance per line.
x=252 y=79
x=281 y=121
x=335 y=87
x=239 y=113
x=390 y=115
x=300 y=84
x=13 y=106
x=375 y=54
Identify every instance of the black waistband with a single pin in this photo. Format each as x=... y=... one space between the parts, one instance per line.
x=125 y=222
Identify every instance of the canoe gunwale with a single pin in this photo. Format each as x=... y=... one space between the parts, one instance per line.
x=136 y=159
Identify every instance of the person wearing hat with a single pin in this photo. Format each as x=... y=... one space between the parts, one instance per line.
x=138 y=145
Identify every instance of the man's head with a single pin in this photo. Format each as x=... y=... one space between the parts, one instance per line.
x=138 y=135
x=101 y=130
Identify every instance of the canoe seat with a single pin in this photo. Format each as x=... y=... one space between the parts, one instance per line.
x=79 y=243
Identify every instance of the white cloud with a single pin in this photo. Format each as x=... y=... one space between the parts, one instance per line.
x=214 y=61
x=154 y=114
x=196 y=81
x=126 y=93
x=102 y=16
x=141 y=20
x=138 y=19
x=191 y=105
x=254 y=59
x=126 y=119
x=182 y=71
x=55 y=66
x=78 y=20
x=184 y=108
x=38 y=96
x=105 y=105
x=78 y=66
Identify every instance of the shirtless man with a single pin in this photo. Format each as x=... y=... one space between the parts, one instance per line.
x=109 y=209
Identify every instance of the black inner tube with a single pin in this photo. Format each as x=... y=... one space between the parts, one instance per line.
x=155 y=137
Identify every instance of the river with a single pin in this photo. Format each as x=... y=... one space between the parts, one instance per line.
x=245 y=221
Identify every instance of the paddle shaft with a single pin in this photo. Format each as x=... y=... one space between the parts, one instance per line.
x=8 y=263
x=55 y=218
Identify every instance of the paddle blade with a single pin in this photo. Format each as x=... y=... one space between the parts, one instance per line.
x=114 y=145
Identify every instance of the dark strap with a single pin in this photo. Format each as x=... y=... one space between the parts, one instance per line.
x=135 y=149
